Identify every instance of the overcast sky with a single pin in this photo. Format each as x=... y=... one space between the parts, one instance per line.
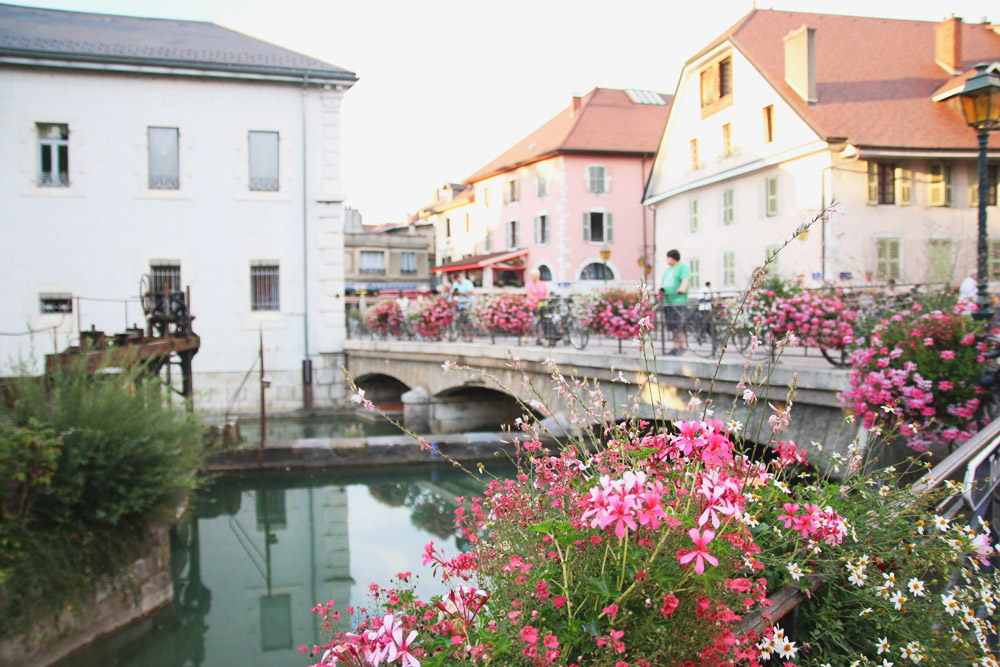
x=447 y=86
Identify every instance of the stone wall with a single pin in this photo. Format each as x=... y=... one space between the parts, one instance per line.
x=108 y=611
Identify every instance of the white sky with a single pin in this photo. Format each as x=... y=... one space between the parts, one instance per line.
x=447 y=86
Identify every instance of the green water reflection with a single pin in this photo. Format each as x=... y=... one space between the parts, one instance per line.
x=259 y=550
x=327 y=426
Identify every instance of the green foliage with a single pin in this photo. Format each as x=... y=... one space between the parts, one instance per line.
x=107 y=454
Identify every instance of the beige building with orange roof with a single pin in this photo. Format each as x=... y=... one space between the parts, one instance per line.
x=788 y=110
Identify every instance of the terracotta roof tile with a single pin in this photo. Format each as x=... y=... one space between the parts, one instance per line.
x=875 y=77
x=607 y=121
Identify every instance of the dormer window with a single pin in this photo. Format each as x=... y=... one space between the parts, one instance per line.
x=716 y=86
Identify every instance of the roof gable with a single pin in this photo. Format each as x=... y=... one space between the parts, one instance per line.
x=606 y=120
x=875 y=77
x=30 y=32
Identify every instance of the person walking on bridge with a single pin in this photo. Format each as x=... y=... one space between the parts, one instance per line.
x=676 y=282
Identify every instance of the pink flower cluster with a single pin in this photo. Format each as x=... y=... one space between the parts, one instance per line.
x=385 y=316
x=818 y=319
x=433 y=318
x=507 y=313
x=623 y=502
x=383 y=643
x=617 y=313
x=920 y=373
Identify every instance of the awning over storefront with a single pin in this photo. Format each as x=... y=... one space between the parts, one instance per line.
x=499 y=261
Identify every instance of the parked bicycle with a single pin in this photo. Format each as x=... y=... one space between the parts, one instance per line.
x=462 y=325
x=555 y=323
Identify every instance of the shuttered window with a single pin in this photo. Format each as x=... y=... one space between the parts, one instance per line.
x=939 y=262
x=694 y=263
x=729 y=268
x=597 y=179
x=512 y=235
x=598 y=227
x=939 y=184
x=993 y=259
x=541 y=229
x=728 y=210
x=882 y=183
x=693 y=215
x=771 y=195
x=888 y=259
x=904 y=180
x=992 y=177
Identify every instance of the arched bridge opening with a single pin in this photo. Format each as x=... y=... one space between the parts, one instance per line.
x=470 y=408
x=383 y=390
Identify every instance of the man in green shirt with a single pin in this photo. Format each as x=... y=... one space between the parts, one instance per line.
x=675 y=284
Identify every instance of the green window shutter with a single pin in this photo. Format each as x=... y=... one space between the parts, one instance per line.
x=727 y=206
x=538 y=230
x=771 y=195
x=993 y=259
x=872 y=183
x=609 y=228
x=586 y=227
x=895 y=257
x=881 y=259
x=939 y=266
x=903 y=186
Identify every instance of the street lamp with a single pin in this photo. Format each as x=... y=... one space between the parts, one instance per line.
x=605 y=255
x=980 y=98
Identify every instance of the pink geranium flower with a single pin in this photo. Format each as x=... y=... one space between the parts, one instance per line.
x=701 y=554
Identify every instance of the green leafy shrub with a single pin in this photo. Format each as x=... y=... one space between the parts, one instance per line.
x=126 y=456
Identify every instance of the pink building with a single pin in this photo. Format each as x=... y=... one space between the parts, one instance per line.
x=570 y=189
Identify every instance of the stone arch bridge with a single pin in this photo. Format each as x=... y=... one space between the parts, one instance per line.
x=411 y=374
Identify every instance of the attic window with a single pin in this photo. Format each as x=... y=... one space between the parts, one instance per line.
x=645 y=97
x=716 y=86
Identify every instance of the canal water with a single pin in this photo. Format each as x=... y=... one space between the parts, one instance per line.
x=259 y=550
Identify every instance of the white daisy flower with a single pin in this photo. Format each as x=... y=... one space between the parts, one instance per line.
x=786 y=649
x=940 y=523
x=882 y=645
x=950 y=604
x=898 y=600
x=795 y=571
x=916 y=587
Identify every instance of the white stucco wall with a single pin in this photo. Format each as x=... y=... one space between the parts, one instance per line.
x=809 y=171
x=95 y=238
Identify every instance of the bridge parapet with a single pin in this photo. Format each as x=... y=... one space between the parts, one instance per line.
x=664 y=385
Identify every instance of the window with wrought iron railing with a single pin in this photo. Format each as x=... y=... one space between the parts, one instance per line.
x=264 y=161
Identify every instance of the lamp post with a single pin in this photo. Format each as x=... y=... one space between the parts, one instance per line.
x=980 y=98
x=605 y=255
x=642 y=266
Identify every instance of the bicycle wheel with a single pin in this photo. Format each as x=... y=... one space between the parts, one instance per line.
x=700 y=335
x=578 y=336
x=838 y=358
x=451 y=331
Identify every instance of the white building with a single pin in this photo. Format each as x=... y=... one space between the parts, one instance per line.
x=788 y=110
x=187 y=151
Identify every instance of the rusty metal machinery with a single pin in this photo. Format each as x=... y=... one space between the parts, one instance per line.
x=168 y=334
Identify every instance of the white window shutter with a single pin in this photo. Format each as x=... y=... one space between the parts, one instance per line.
x=586 y=227
x=538 y=230
x=902 y=183
x=872 y=183
x=609 y=228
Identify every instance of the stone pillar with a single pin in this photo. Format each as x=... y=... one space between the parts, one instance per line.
x=416 y=410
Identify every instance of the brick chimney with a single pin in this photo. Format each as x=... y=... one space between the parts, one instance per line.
x=800 y=62
x=948 y=44
x=577 y=100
